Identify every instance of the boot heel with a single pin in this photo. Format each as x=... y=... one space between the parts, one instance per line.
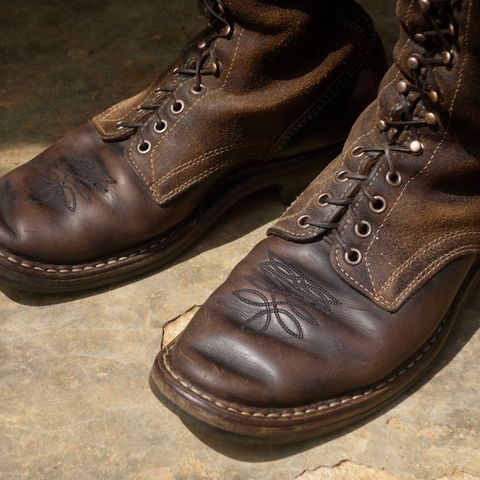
x=289 y=189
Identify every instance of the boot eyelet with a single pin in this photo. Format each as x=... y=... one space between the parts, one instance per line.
x=363 y=229
x=382 y=125
x=433 y=96
x=228 y=30
x=160 y=126
x=402 y=86
x=394 y=179
x=144 y=147
x=379 y=205
x=413 y=62
x=216 y=68
x=302 y=222
x=340 y=176
x=321 y=200
x=119 y=125
x=447 y=57
x=177 y=107
x=431 y=119
x=353 y=256
x=199 y=90
x=420 y=38
x=424 y=5
x=357 y=152
x=416 y=147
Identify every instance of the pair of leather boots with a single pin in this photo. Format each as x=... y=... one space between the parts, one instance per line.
x=355 y=290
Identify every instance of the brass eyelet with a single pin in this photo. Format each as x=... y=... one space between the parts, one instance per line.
x=177 y=107
x=424 y=5
x=357 y=152
x=340 y=176
x=363 y=229
x=321 y=199
x=380 y=204
x=353 y=256
x=414 y=61
x=144 y=147
x=302 y=222
x=416 y=147
x=394 y=179
x=198 y=91
x=160 y=126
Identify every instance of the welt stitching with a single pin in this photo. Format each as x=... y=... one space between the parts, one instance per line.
x=87 y=266
x=314 y=408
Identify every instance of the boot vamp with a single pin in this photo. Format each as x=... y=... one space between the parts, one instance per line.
x=285 y=330
x=78 y=200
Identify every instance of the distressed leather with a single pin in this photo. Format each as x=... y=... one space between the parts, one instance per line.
x=432 y=217
x=270 y=82
x=285 y=330
x=293 y=76
x=294 y=324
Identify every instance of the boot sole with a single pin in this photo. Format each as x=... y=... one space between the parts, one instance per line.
x=291 y=176
x=279 y=426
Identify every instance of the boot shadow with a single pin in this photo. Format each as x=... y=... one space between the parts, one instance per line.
x=251 y=213
x=464 y=329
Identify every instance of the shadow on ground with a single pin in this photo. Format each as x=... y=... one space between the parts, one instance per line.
x=464 y=329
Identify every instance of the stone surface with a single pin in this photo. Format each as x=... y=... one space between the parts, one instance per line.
x=75 y=402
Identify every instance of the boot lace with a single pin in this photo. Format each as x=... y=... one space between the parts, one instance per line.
x=201 y=63
x=418 y=97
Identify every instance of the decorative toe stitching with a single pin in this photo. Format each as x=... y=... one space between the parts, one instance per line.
x=310 y=410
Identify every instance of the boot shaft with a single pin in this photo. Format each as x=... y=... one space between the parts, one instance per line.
x=402 y=201
x=288 y=78
x=437 y=44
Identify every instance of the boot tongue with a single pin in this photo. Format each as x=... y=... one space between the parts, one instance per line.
x=404 y=96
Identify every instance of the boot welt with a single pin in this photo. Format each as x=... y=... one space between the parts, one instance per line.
x=286 y=425
x=291 y=176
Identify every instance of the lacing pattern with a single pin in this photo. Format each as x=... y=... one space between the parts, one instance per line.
x=418 y=98
x=201 y=63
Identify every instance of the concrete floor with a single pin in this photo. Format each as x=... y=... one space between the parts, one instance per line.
x=75 y=402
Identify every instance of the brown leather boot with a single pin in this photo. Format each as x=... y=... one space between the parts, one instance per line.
x=265 y=94
x=353 y=294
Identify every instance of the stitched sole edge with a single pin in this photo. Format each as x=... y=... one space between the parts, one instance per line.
x=278 y=426
x=29 y=275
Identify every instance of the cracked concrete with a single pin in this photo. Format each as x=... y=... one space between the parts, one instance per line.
x=75 y=402
x=347 y=470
